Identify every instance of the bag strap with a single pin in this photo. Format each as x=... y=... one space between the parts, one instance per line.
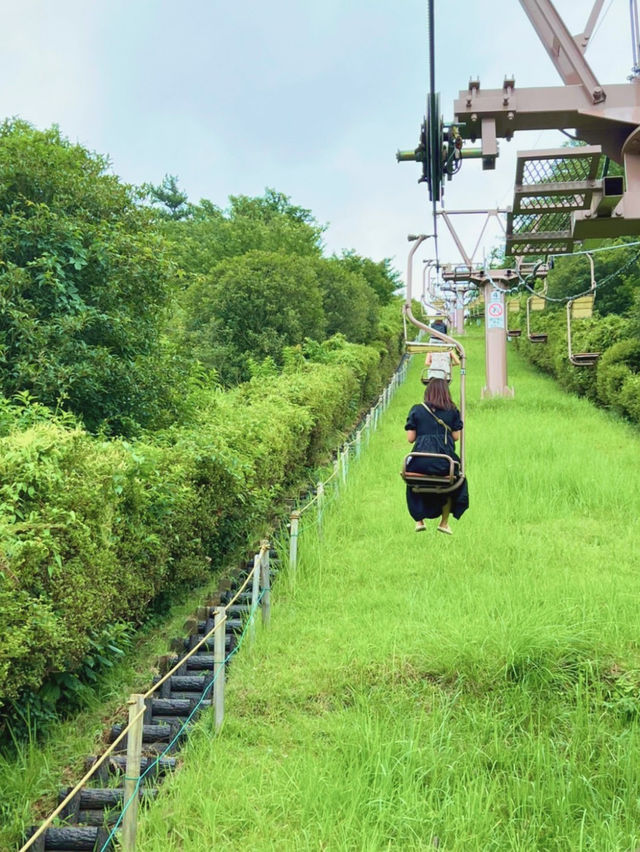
x=435 y=417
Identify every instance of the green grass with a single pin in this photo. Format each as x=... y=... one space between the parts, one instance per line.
x=480 y=689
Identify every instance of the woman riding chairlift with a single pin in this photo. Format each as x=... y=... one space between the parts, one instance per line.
x=434 y=472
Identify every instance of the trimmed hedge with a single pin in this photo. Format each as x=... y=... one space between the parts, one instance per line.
x=613 y=382
x=96 y=531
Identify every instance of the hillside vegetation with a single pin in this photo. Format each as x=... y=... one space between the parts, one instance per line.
x=169 y=372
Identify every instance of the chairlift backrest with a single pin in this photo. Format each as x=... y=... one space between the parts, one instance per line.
x=582 y=307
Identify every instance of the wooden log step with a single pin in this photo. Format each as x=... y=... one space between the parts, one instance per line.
x=92 y=798
x=181 y=644
x=117 y=764
x=73 y=839
x=150 y=734
x=231 y=625
x=188 y=643
x=195 y=663
x=189 y=683
x=175 y=706
x=244 y=597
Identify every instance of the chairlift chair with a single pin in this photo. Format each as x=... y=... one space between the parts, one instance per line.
x=513 y=307
x=427 y=483
x=431 y=483
x=536 y=303
x=582 y=308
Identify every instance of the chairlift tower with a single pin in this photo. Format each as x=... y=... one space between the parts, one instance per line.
x=559 y=198
x=561 y=195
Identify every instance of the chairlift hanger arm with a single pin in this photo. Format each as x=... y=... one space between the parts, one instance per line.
x=563 y=49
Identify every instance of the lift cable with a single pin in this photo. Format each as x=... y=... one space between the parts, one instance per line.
x=431 y=128
x=584 y=292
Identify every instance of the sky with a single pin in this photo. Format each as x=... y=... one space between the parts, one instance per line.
x=310 y=97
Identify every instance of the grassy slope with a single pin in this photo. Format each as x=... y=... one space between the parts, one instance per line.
x=481 y=689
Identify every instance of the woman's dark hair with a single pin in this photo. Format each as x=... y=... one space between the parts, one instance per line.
x=437 y=395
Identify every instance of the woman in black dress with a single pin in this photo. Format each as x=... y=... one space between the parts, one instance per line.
x=433 y=427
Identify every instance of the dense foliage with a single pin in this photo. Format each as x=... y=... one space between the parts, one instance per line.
x=126 y=472
x=84 y=286
x=614 y=381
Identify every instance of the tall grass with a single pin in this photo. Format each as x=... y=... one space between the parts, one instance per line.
x=473 y=692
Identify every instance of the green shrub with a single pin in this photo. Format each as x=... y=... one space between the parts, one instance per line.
x=97 y=532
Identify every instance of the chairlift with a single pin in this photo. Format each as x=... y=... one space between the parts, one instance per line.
x=536 y=302
x=424 y=483
x=582 y=308
x=420 y=482
x=513 y=307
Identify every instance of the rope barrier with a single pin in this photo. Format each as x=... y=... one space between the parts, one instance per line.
x=47 y=823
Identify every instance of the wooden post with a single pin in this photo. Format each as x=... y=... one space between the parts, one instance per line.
x=255 y=594
x=358 y=441
x=293 y=543
x=320 y=496
x=218 y=667
x=266 y=589
x=132 y=773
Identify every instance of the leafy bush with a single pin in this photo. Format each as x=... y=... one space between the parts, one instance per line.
x=252 y=306
x=84 y=284
x=613 y=380
x=95 y=532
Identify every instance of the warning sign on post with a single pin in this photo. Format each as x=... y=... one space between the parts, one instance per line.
x=495 y=310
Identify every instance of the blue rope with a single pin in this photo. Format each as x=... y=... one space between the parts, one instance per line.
x=183 y=726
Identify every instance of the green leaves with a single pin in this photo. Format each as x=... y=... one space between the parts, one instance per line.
x=84 y=285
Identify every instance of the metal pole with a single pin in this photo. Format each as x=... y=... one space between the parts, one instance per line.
x=255 y=594
x=218 y=665
x=266 y=589
x=358 y=442
x=343 y=465
x=367 y=426
x=132 y=772
x=293 y=542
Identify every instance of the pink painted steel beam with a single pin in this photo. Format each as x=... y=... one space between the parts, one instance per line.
x=562 y=48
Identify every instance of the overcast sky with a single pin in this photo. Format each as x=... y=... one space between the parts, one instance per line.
x=311 y=97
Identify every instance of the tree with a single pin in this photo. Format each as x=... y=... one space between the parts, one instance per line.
x=252 y=306
x=168 y=194
x=350 y=304
x=383 y=279
x=268 y=223
x=84 y=283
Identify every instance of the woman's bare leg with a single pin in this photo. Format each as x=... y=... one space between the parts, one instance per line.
x=444 y=521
